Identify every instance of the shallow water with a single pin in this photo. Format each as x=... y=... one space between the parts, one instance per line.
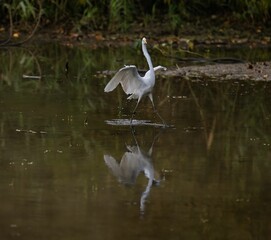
x=65 y=173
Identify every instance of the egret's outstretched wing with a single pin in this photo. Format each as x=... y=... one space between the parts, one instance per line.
x=129 y=79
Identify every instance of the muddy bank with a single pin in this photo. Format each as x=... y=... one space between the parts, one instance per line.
x=240 y=71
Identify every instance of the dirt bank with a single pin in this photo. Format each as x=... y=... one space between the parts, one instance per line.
x=239 y=71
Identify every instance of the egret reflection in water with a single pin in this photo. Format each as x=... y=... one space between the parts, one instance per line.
x=133 y=162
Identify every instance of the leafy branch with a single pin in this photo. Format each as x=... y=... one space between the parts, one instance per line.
x=8 y=41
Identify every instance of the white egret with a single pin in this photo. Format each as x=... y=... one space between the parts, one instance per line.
x=133 y=84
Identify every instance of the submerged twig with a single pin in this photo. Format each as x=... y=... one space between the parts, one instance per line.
x=31 y=76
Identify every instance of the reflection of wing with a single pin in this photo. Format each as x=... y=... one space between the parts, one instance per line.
x=113 y=165
x=130 y=166
x=128 y=77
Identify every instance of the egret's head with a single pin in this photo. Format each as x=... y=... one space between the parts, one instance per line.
x=144 y=40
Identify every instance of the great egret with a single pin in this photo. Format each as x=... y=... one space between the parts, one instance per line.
x=133 y=84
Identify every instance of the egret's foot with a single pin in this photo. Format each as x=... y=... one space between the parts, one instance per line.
x=132 y=117
x=131 y=121
x=166 y=125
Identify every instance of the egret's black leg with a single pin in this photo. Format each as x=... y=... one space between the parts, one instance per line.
x=134 y=112
x=155 y=110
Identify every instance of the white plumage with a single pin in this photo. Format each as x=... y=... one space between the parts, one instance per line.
x=133 y=84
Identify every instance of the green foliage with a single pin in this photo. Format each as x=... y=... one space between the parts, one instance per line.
x=174 y=17
x=256 y=9
x=118 y=15
x=23 y=10
x=89 y=16
x=26 y=9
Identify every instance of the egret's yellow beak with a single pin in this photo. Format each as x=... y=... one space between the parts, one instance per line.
x=144 y=40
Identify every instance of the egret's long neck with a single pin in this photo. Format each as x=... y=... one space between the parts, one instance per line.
x=147 y=56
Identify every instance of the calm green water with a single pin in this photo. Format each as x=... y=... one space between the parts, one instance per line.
x=60 y=176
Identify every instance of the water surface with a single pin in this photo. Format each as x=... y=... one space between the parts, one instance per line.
x=67 y=174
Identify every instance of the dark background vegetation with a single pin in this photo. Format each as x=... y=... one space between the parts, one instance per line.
x=122 y=15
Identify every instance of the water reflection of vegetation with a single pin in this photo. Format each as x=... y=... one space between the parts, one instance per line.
x=234 y=119
x=236 y=106
x=45 y=67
